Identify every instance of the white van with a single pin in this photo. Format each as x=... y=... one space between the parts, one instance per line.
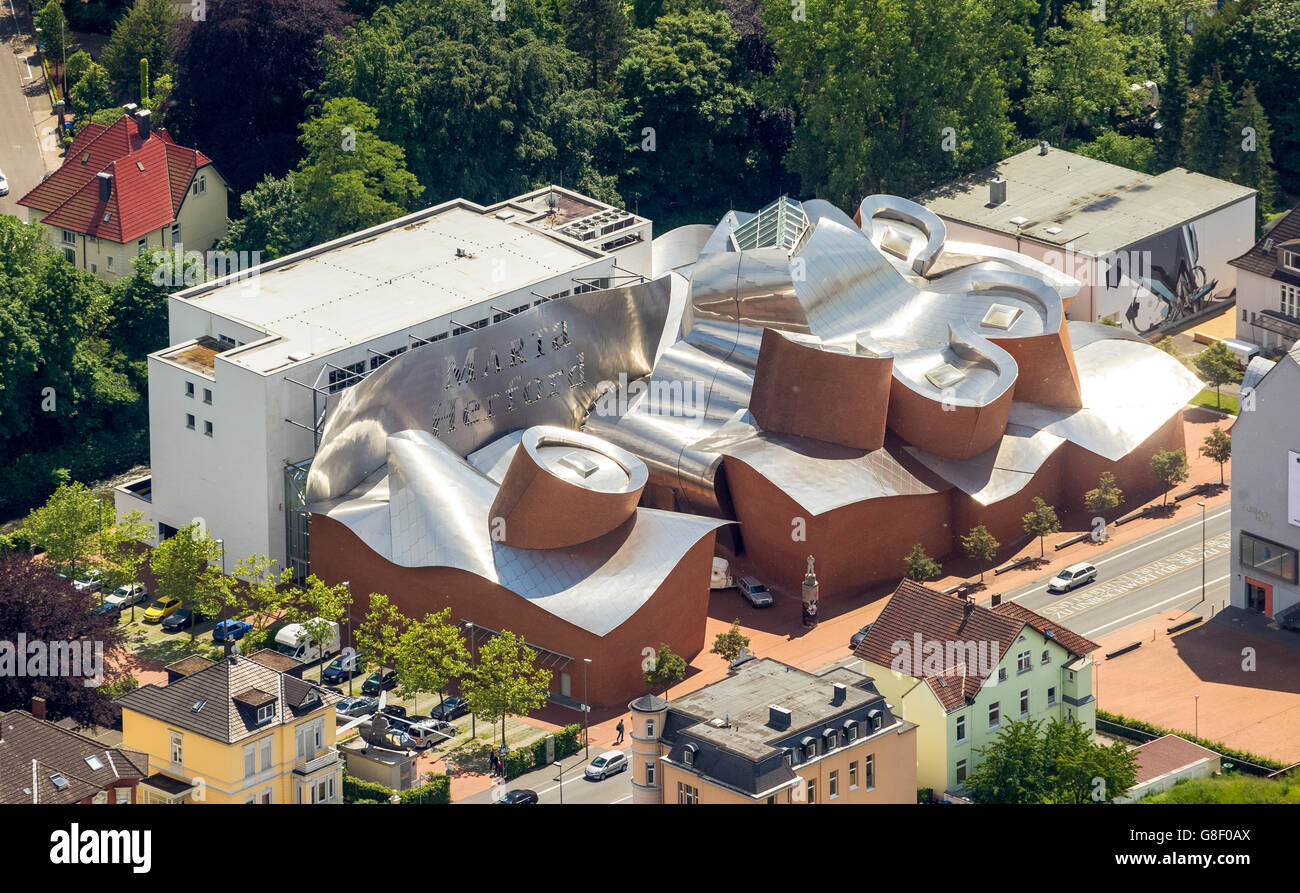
x=1244 y=350
x=296 y=642
x=721 y=577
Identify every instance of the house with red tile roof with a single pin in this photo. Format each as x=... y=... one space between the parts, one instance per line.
x=1164 y=762
x=962 y=672
x=126 y=189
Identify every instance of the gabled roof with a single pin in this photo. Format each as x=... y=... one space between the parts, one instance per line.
x=1068 y=639
x=150 y=178
x=58 y=752
x=1168 y=754
x=1264 y=259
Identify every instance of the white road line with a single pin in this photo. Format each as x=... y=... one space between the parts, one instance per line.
x=1155 y=608
x=621 y=799
x=1188 y=523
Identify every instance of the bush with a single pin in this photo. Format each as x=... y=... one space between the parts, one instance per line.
x=27 y=480
x=520 y=761
x=1157 y=732
x=436 y=790
x=357 y=791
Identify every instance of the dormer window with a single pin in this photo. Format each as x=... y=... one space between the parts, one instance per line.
x=265 y=712
x=688 y=754
x=1291 y=259
x=876 y=720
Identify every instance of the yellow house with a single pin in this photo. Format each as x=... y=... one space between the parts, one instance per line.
x=772 y=733
x=126 y=190
x=235 y=731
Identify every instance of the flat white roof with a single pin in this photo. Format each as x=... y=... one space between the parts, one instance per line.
x=386 y=279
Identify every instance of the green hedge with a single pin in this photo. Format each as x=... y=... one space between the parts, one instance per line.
x=1157 y=732
x=567 y=741
x=437 y=790
x=356 y=791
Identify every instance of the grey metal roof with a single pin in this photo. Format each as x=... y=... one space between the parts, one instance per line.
x=1099 y=207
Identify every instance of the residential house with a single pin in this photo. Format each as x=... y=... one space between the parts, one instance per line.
x=961 y=672
x=1163 y=763
x=772 y=733
x=1268 y=287
x=124 y=190
x=235 y=731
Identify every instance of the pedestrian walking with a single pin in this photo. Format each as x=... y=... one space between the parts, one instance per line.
x=619 y=728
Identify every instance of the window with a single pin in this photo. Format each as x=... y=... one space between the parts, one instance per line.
x=70 y=255
x=203 y=184
x=1047 y=656
x=789 y=756
x=266 y=711
x=207 y=396
x=1002 y=674
x=830 y=737
x=1051 y=695
x=812 y=790
x=810 y=750
x=688 y=755
x=1024 y=702
x=1291 y=260
x=1023 y=662
x=1268 y=557
x=961 y=727
x=869 y=771
x=853 y=775
x=1290 y=300
x=961 y=772
x=771 y=800
x=686 y=794
x=207 y=427
x=108 y=263
x=189 y=389
x=177 y=748
x=851 y=731
x=649 y=772
x=176 y=234
x=267 y=797
x=876 y=720
x=995 y=716
x=140 y=246
x=250 y=761
x=1071 y=675
x=268 y=759
x=833 y=785
x=69 y=237
x=649 y=728
x=1243 y=315
x=346 y=377
x=189 y=421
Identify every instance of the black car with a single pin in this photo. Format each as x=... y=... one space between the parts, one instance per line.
x=379 y=681
x=342 y=668
x=520 y=796
x=857 y=637
x=182 y=618
x=394 y=710
x=112 y=610
x=450 y=709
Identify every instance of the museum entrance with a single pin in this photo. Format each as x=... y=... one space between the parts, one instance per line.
x=1259 y=597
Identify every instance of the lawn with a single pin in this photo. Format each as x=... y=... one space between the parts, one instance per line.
x=1207 y=398
x=1231 y=788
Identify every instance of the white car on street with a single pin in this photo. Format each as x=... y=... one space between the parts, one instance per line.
x=608 y=763
x=4 y=184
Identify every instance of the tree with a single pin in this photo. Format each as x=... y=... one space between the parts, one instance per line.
x=1255 y=168
x=505 y=681
x=979 y=545
x=138 y=305
x=1170 y=468
x=1210 y=140
x=45 y=609
x=1173 y=100
x=122 y=553
x=596 y=29
x=667 y=670
x=1077 y=77
x=78 y=64
x=1133 y=152
x=380 y=632
x=1041 y=522
x=67 y=526
x=272 y=219
x=55 y=33
x=146 y=32
x=321 y=609
x=1056 y=762
x=1218 y=366
x=91 y=93
x=349 y=178
x=182 y=566
x=1169 y=346
x=729 y=644
x=432 y=655
x=1218 y=447
x=262 y=99
x=920 y=566
x=1106 y=496
x=264 y=595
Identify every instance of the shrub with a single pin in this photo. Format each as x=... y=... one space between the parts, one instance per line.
x=355 y=790
x=436 y=790
x=519 y=761
x=1157 y=732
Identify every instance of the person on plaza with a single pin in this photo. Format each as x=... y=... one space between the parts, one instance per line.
x=619 y=728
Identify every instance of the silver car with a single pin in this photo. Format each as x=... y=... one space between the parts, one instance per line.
x=4 y=184
x=754 y=592
x=126 y=596
x=358 y=706
x=610 y=762
x=1075 y=575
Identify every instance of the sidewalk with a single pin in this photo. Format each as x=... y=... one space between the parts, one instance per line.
x=44 y=122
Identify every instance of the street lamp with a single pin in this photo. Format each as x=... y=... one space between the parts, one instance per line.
x=99 y=512
x=1201 y=503
x=222 y=545
x=473 y=730
x=351 y=670
x=1196 y=721
x=586 y=708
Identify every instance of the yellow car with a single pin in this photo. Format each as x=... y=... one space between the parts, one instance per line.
x=161 y=607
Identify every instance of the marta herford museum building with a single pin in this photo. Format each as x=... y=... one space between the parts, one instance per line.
x=532 y=414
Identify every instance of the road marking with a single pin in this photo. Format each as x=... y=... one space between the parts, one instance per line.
x=1155 y=607
x=621 y=799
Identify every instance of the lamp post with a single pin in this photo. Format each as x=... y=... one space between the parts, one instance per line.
x=1201 y=503
x=1196 y=721
x=586 y=708
x=352 y=669
x=473 y=731
x=99 y=512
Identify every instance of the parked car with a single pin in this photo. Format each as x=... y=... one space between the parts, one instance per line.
x=378 y=681
x=126 y=596
x=161 y=607
x=394 y=710
x=353 y=707
x=4 y=184
x=182 y=618
x=609 y=763
x=856 y=639
x=519 y=796
x=755 y=592
x=232 y=629
x=88 y=582
x=450 y=708
x=342 y=668
x=1075 y=575
x=108 y=608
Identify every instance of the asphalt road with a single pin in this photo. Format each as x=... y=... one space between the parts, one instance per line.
x=577 y=789
x=1158 y=573
x=20 y=156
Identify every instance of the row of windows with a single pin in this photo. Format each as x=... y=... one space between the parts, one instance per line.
x=1290 y=300
x=833 y=780
x=207 y=392
x=190 y=421
x=1271 y=558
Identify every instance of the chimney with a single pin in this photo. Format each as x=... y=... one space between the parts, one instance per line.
x=839 y=691
x=997 y=599
x=997 y=191
x=778 y=717
x=143 y=124
x=1043 y=147
x=130 y=108
x=105 y=185
x=38 y=708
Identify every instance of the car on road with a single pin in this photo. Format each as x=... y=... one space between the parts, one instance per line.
x=353 y=707
x=162 y=607
x=378 y=681
x=754 y=592
x=609 y=763
x=423 y=734
x=111 y=608
x=519 y=796
x=126 y=596
x=394 y=710
x=183 y=618
x=342 y=668
x=450 y=708
x=231 y=629
x=4 y=184
x=856 y=639
x=88 y=582
x=1072 y=577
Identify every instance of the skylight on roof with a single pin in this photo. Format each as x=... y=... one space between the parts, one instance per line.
x=60 y=783
x=779 y=225
x=93 y=762
x=198 y=705
x=1000 y=316
x=140 y=166
x=108 y=215
x=896 y=243
x=1019 y=221
x=944 y=375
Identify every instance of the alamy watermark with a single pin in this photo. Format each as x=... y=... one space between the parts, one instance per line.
x=922 y=658
x=78 y=659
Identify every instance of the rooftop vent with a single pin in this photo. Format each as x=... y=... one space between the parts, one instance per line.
x=839 y=691
x=505 y=215
x=299 y=356
x=1043 y=147
x=1053 y=230
x=1001 y=316
x=1019 y=221
x=778 y=717
x=577 y=462
x=997 y=191
x=945 y=376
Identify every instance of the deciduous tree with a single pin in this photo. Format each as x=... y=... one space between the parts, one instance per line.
x=1041 y=522
x=1170 y=468
x=505 y=681
x=1218 y=447
x=980 y=545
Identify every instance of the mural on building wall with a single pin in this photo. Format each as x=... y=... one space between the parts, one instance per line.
x=1166 y=277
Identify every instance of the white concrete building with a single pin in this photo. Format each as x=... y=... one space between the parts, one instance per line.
x=236 y=401
x=1149 y=250
x=1268 y=287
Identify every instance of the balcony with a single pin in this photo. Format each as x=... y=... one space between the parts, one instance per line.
x=320 y=760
